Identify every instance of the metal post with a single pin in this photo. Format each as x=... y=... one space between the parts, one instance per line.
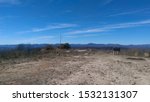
x=60 y=39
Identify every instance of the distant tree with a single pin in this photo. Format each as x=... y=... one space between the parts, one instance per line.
x=49 y=47
x=65 y=46
x=20 y=47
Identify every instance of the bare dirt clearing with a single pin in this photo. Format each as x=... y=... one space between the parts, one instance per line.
x=79 y=69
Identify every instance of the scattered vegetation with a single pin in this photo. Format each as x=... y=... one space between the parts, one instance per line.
x=136 y=52
x=133 y=58
x=26 y=51
x=147 y=54
x=49 y=47
x=65 y=46
x=21 y=51
x=29 y=51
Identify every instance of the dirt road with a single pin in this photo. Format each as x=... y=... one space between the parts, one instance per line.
x=96 y=69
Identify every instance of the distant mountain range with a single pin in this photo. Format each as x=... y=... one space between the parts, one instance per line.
x=10 y=47
x=90 y=45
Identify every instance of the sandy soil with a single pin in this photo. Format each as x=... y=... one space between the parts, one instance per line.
x=80 y=69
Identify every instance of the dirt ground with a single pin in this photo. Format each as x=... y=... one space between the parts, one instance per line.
x=77 y=69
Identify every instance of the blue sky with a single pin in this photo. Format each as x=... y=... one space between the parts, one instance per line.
x=78 y=21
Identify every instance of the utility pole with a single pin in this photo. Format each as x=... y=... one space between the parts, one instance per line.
x=60 y=39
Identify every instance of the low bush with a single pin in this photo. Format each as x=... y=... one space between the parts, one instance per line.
x=65 y=46
x=18 y=52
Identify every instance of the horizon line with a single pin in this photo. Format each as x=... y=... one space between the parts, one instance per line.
x=73 y=44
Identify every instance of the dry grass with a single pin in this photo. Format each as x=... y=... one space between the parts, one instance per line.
x=76 y=67
x=136 y=58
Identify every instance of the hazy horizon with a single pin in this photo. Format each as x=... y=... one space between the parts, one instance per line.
x=124 y=22
x=75 y=43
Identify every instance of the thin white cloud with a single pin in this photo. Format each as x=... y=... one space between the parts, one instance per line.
x=50 y=27
x=51 y=0
x=130 y=12
x=71 y=36
x=9 y=1
x=7 y=17
x=77 y=36
x=111 y=27
x=68 y=11
x=128 y=25
x=106 y=2
x=36 y=39
x=95 y=30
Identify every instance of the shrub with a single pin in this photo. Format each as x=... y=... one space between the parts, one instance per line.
x=147 y=54
x=49 y=47
x=65 y=46
x=21 y=51
x=135 y=52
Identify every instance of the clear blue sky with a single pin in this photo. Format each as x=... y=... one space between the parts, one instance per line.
x=79 y=21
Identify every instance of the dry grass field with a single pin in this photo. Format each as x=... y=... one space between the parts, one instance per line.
x=80 y=67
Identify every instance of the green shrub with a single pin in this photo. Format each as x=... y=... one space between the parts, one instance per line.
x=49 y=47
x=65 y=46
